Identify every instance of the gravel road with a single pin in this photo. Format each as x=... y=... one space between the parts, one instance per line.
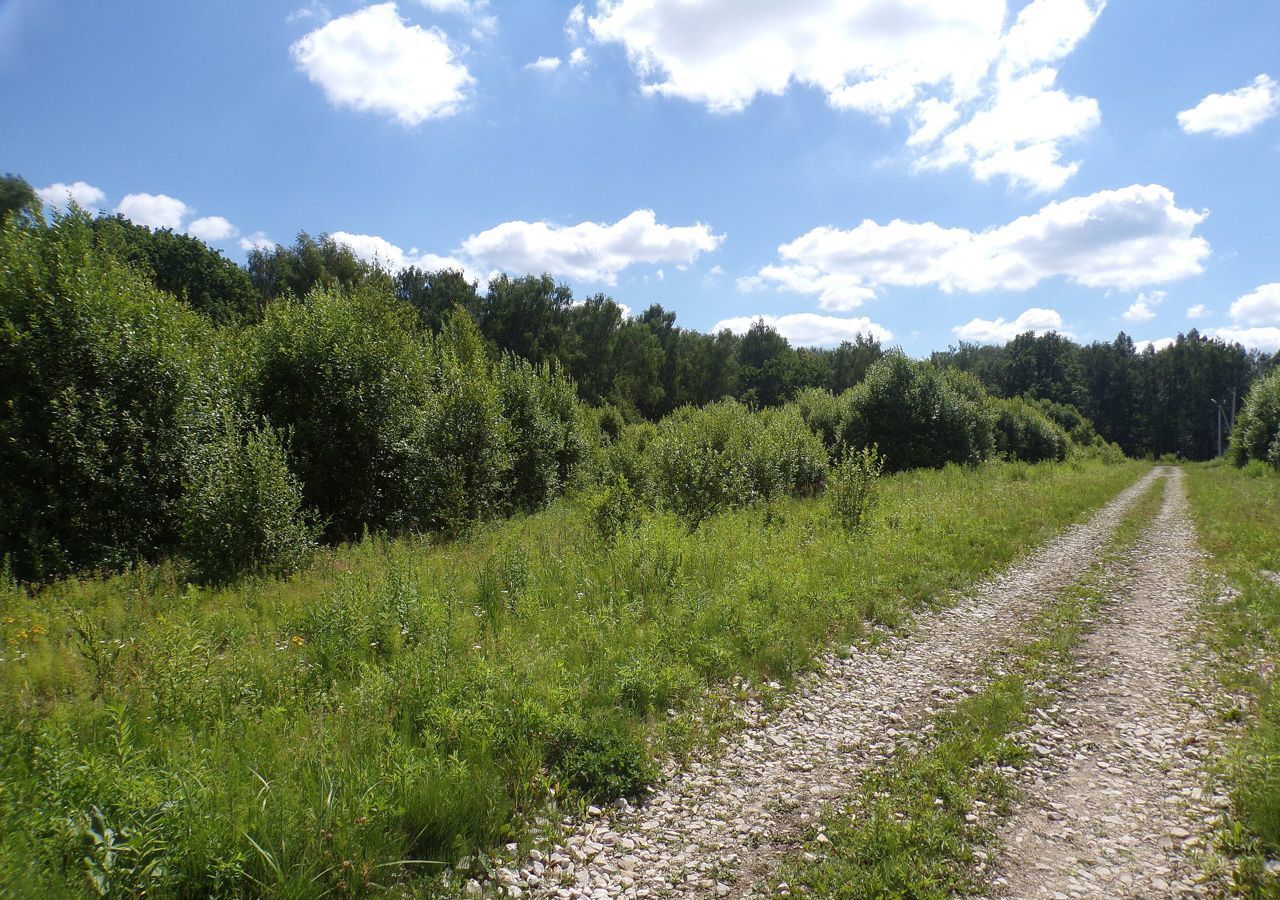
x=1118 y=801
x=717 y=827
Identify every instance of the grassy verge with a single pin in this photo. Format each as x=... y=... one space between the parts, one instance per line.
x=1238 y=516
x=918 y=826
x=399 y=704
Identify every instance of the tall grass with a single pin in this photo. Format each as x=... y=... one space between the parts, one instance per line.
x=1238 y=514
x=399 y=704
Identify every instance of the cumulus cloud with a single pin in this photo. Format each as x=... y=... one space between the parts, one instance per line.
x=256 y=241
x=86 y=196
x=544 y=64
x=589 y=251
x=1157 y=344
x=978 y=93
x=1236 y=112
x=810 y=329
x=1125 y=239
x=578 y=58
x=1258 y=307
x=1266 y=339
x=154 y=210
x=212 y=228
x=1199 y=311
x=1143 y=309
x=372 y=248
x=1001 y=330
x=373 y=61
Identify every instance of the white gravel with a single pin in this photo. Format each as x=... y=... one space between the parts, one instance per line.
x=717 y=827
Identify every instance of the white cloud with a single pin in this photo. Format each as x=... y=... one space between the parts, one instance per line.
x=578 y=58
x=978 y=93
x=589 y=251
x=372 y=248
x=1125 y=239
x=1143 y=309
x=314 y=10
x=212 y=228
x=1001 y=330
x=372 y=60
x=1199 y=311
x=1266 y=339
x=1237 y=112
x=154 y=210
x=1157 y=344
x=483 y=23
x=85 y=195
x=256 y=241
x=545 y=64
x=1259 y=307
x=575 y=23
x=810 y=329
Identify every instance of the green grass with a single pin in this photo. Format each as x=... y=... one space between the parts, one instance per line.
x=917 y=827
x=1238 y=516
x=401 y=704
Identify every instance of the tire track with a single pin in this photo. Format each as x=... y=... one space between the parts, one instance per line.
x=1119 y=804
x=717 y=827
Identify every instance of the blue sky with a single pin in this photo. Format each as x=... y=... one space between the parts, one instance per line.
x=923 y=170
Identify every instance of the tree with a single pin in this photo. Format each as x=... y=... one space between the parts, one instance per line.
x=15 y=196
x=435 y=294
x=185 y=267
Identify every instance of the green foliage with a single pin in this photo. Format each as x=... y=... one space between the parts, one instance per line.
x=614 y=508
x=1023 y=432
x=915 y=416
x=826 y=415
x=16 y=197
x=704 y=461
x=345 y=376
x=851 y=487
x=242 y=507
x=1257 y=430
x=310 y=264
x=185 y=267
x=602 y=761
x=104 y=381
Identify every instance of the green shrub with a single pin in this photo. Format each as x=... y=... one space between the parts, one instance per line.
x=703 y=461
x=613 y=509
x=825 y=415
x=1025 y=433
x=851 y=487
x=914 y=414
x=241 y=507
x=1257 y=430
x=602 y=761
x=104 y=382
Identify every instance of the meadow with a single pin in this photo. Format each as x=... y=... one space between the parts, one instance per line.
x=400 y=703
x=1237 y=511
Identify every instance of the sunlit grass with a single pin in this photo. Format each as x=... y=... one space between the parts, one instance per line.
x=1238 y=515
x=400 y=701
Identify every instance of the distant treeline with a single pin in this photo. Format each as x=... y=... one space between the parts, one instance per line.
x=1149 y=403
x=157 y=398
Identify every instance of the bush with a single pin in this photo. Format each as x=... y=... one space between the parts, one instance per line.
x=916 y=417
x=851 y=487
x=703 y=461
x=602 y=761
x=104 y=381
x=825 y=415
x=1256 y=435
x=345 y=377
x=614 y=509
x=241 y=507
x=1023 y=432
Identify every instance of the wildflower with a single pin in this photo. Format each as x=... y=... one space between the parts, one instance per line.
x=37 y=629
x=298 y=640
